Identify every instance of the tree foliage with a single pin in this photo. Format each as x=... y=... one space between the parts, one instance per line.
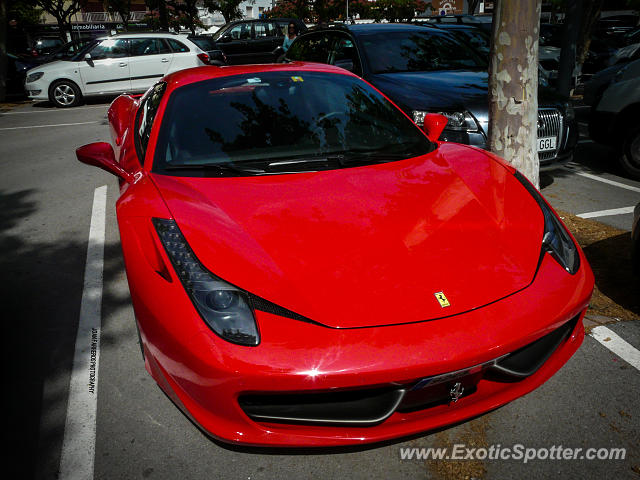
x=319 y=11
x=184 y=14
x=23 y=13
x=229 y=9
x=62 y=11
x=122 y=8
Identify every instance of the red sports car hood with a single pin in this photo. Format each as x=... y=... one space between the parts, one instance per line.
x=368 y=245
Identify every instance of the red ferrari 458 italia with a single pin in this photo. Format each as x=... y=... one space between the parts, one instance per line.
x=308 y=267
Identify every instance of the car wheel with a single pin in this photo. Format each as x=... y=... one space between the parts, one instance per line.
x=65 y=93
x=630 y=160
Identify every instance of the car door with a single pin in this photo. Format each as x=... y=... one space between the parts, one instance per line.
x=264 y=41
x=235 y=43
x=343 y=53
x=150 y=60
x=107 y=69
x=313 y=47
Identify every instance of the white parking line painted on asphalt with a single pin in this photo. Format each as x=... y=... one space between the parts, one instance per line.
x=605 y=213
x=78 y=446
x=603 y=180
x=50 y=110
x=54 y=125
x=617 y=345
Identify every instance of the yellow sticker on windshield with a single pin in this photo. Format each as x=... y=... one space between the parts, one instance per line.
x=442 y=299
x=297 y=79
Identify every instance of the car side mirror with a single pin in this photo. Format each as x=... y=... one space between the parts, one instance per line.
x=226 y=38
x=346 y=63
x=100 y=154
x=88 y=59
x=433 y=125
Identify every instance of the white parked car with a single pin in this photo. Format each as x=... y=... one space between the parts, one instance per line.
x=111 y=65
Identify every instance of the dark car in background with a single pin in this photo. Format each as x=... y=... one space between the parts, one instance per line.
x=253 y=41
x=481 y=21
x=424 y=69
x=615 y=118
x=207 y=44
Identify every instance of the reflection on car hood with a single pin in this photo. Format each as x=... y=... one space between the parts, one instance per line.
x=369 y=245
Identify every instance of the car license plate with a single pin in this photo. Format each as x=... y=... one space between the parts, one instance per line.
x=547 y=143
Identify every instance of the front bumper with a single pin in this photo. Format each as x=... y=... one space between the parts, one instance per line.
x=567 y=139
x=206 y=376
x=38 y=90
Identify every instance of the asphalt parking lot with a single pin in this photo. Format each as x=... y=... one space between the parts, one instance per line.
x=49 y=203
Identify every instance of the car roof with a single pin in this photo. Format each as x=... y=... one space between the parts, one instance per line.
x=198 y=74
x=144 y=34
x=362 y=28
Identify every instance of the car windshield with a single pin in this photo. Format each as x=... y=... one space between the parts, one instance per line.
x=282 y=120
x=418 y=52
x=476 y=38
x=83 y=51
x=225 y=28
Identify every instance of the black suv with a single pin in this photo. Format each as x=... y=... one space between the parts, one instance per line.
x=425 y=69
x=253 y=41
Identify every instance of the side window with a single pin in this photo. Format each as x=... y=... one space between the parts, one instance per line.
x=263 y=29
x=176 y=46
x=242 y=31
x=110 y=48
x=147 y=46
x=145 y=116
x=277 y=31
x=344 y=54
x=310 y=48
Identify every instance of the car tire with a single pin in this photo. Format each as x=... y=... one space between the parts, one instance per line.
x=630 y=159
x=65 y=94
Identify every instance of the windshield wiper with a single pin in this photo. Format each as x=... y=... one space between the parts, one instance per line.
x=306 y=163
x=220 y=168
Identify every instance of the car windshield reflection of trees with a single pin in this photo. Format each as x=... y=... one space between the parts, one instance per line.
x=305 y=117
x=419 y=53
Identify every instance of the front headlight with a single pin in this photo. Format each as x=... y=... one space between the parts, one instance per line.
x=458 y=121
x=223 y=307
x=32 y=77
x=556 y=240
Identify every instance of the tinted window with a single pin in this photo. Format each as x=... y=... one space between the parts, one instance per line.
x=148 y=46
x=177 y=46
x=263 y=29
x=417 y=52
x=110 y=48
x=242 y=31
x=281 y=115
x=205 y=43
x=146 y=115
x=344 y=54
x=310 y=48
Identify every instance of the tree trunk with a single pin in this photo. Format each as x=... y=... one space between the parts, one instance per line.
x=591 y=13
x=570 y=32
x=164 y=18
x=513 y=85
x=3 y=50
x=125 y=20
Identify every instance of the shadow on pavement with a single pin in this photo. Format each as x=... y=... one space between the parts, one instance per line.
x=610 y=261
x=41 y=292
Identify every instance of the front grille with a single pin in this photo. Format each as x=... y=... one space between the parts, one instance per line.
x=360 y=407
x=549 y=125
x=371 y=406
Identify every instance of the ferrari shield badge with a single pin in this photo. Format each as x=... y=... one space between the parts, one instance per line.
x=442 y=299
